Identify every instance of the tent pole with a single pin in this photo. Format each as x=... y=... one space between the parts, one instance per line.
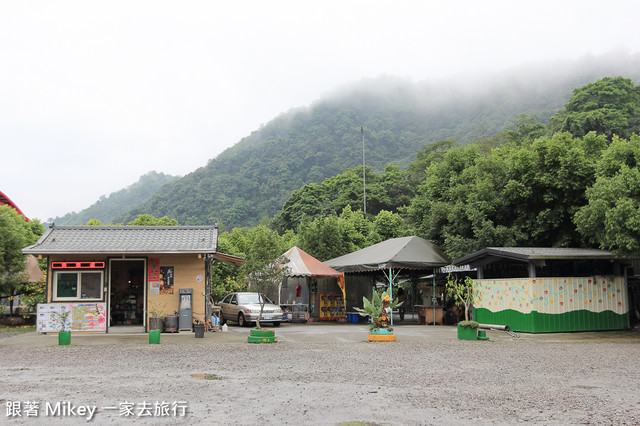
x=433 y=297
x=391 y=292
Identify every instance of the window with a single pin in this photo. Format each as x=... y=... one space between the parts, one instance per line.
x=83 y=285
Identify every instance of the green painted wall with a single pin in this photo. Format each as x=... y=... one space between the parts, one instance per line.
x=534 y=322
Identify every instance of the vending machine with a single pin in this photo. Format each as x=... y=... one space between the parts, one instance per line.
x=185 y=309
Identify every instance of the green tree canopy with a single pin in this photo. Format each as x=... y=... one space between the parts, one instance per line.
x=609 y=106
x=511 y=195
x=611 y=219
x=148 y=220
x=15 y=234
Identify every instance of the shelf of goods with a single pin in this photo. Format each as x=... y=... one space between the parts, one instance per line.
x=296 y=312
x=332 y=307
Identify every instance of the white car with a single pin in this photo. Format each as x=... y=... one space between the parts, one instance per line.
x=244 y=308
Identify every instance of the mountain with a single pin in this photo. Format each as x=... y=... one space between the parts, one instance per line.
x=253 y=179
x=108 y=209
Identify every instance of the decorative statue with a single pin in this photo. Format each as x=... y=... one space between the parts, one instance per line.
x=385 y=316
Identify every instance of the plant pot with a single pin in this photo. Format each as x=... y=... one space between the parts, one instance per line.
x=467 y=333
x=155 y=323
x=262 y=336
x=171 y=324
x=64 y=338
x=381 y=335
x=154 y=337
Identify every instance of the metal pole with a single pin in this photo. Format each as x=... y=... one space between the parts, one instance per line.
x=364 y=178
x=433 y=297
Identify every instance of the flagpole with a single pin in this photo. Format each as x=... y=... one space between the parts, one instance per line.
x=364 y=178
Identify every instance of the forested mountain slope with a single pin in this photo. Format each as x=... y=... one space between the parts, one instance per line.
x=108 y=208
x=255 y=177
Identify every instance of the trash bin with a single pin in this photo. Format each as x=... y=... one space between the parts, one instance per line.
x=154 y=337
x=199 y=330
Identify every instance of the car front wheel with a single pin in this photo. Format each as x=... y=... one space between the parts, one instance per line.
x=276 y=324
x=241 y=321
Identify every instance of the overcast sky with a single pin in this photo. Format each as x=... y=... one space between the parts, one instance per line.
x=95 y=94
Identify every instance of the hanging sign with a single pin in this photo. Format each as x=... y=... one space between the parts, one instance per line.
x=154 y=269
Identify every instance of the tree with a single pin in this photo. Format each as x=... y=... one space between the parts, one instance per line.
x=15 y=234
x=507 y=196
x=326 y=237
x=148 y=220
x=609 y=106
x=387 y=191
x=225 y=278
x=611 y=218
x=462 y=291
x=264 y=266
x=387 y=225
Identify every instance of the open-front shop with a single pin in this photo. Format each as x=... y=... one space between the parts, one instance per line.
x=311 y=289
x=114 y=278
x=388 y=264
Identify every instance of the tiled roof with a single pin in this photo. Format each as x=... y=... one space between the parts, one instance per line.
x=126 y=239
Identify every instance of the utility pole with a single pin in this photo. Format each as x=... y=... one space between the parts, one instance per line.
x=364 y=178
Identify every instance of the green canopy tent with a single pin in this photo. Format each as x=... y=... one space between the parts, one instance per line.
x=391 y=257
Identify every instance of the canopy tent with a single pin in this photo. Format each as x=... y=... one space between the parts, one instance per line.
x=405 y=252
x=392 y=257
x=312 y=277
x=302 y=264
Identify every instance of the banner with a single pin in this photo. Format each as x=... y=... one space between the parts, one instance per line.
x=81 y=317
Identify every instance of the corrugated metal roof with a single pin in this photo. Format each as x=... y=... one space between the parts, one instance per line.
x=531 y=253
x=126 y=239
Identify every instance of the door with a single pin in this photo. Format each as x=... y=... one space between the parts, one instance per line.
x=127 y=295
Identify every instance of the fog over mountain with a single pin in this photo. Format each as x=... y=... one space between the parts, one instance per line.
x=253 y=178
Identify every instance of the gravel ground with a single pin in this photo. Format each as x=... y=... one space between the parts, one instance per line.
x=423 y=378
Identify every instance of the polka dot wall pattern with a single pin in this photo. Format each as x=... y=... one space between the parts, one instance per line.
x=553 y=295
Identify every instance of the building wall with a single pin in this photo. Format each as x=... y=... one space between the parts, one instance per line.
x=189 y=272
x=553 y=304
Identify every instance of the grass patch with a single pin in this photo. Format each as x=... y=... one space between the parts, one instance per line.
x=17 y=329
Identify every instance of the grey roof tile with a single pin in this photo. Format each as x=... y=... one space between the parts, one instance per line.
x=126 y=239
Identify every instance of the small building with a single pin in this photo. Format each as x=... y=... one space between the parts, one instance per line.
x=546 y=289
x=115 y=276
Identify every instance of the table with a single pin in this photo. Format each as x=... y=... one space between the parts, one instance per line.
x=427 y=315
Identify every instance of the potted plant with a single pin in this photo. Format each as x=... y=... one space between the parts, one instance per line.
x=61 y=321
x=379 y=309
x=156 y=317
x=463 y=293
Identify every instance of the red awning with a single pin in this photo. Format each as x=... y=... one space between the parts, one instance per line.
x=303 y=264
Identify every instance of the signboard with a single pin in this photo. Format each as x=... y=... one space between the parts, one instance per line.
x=154 y=287
x=154 y=269
x=81 y=317
x=166 y=276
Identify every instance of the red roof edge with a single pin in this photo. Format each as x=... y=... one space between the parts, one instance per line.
x=4 y=200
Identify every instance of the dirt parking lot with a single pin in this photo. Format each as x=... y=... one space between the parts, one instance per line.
x=323 y=374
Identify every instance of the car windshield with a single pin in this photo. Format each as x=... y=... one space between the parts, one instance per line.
x=249 y=298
